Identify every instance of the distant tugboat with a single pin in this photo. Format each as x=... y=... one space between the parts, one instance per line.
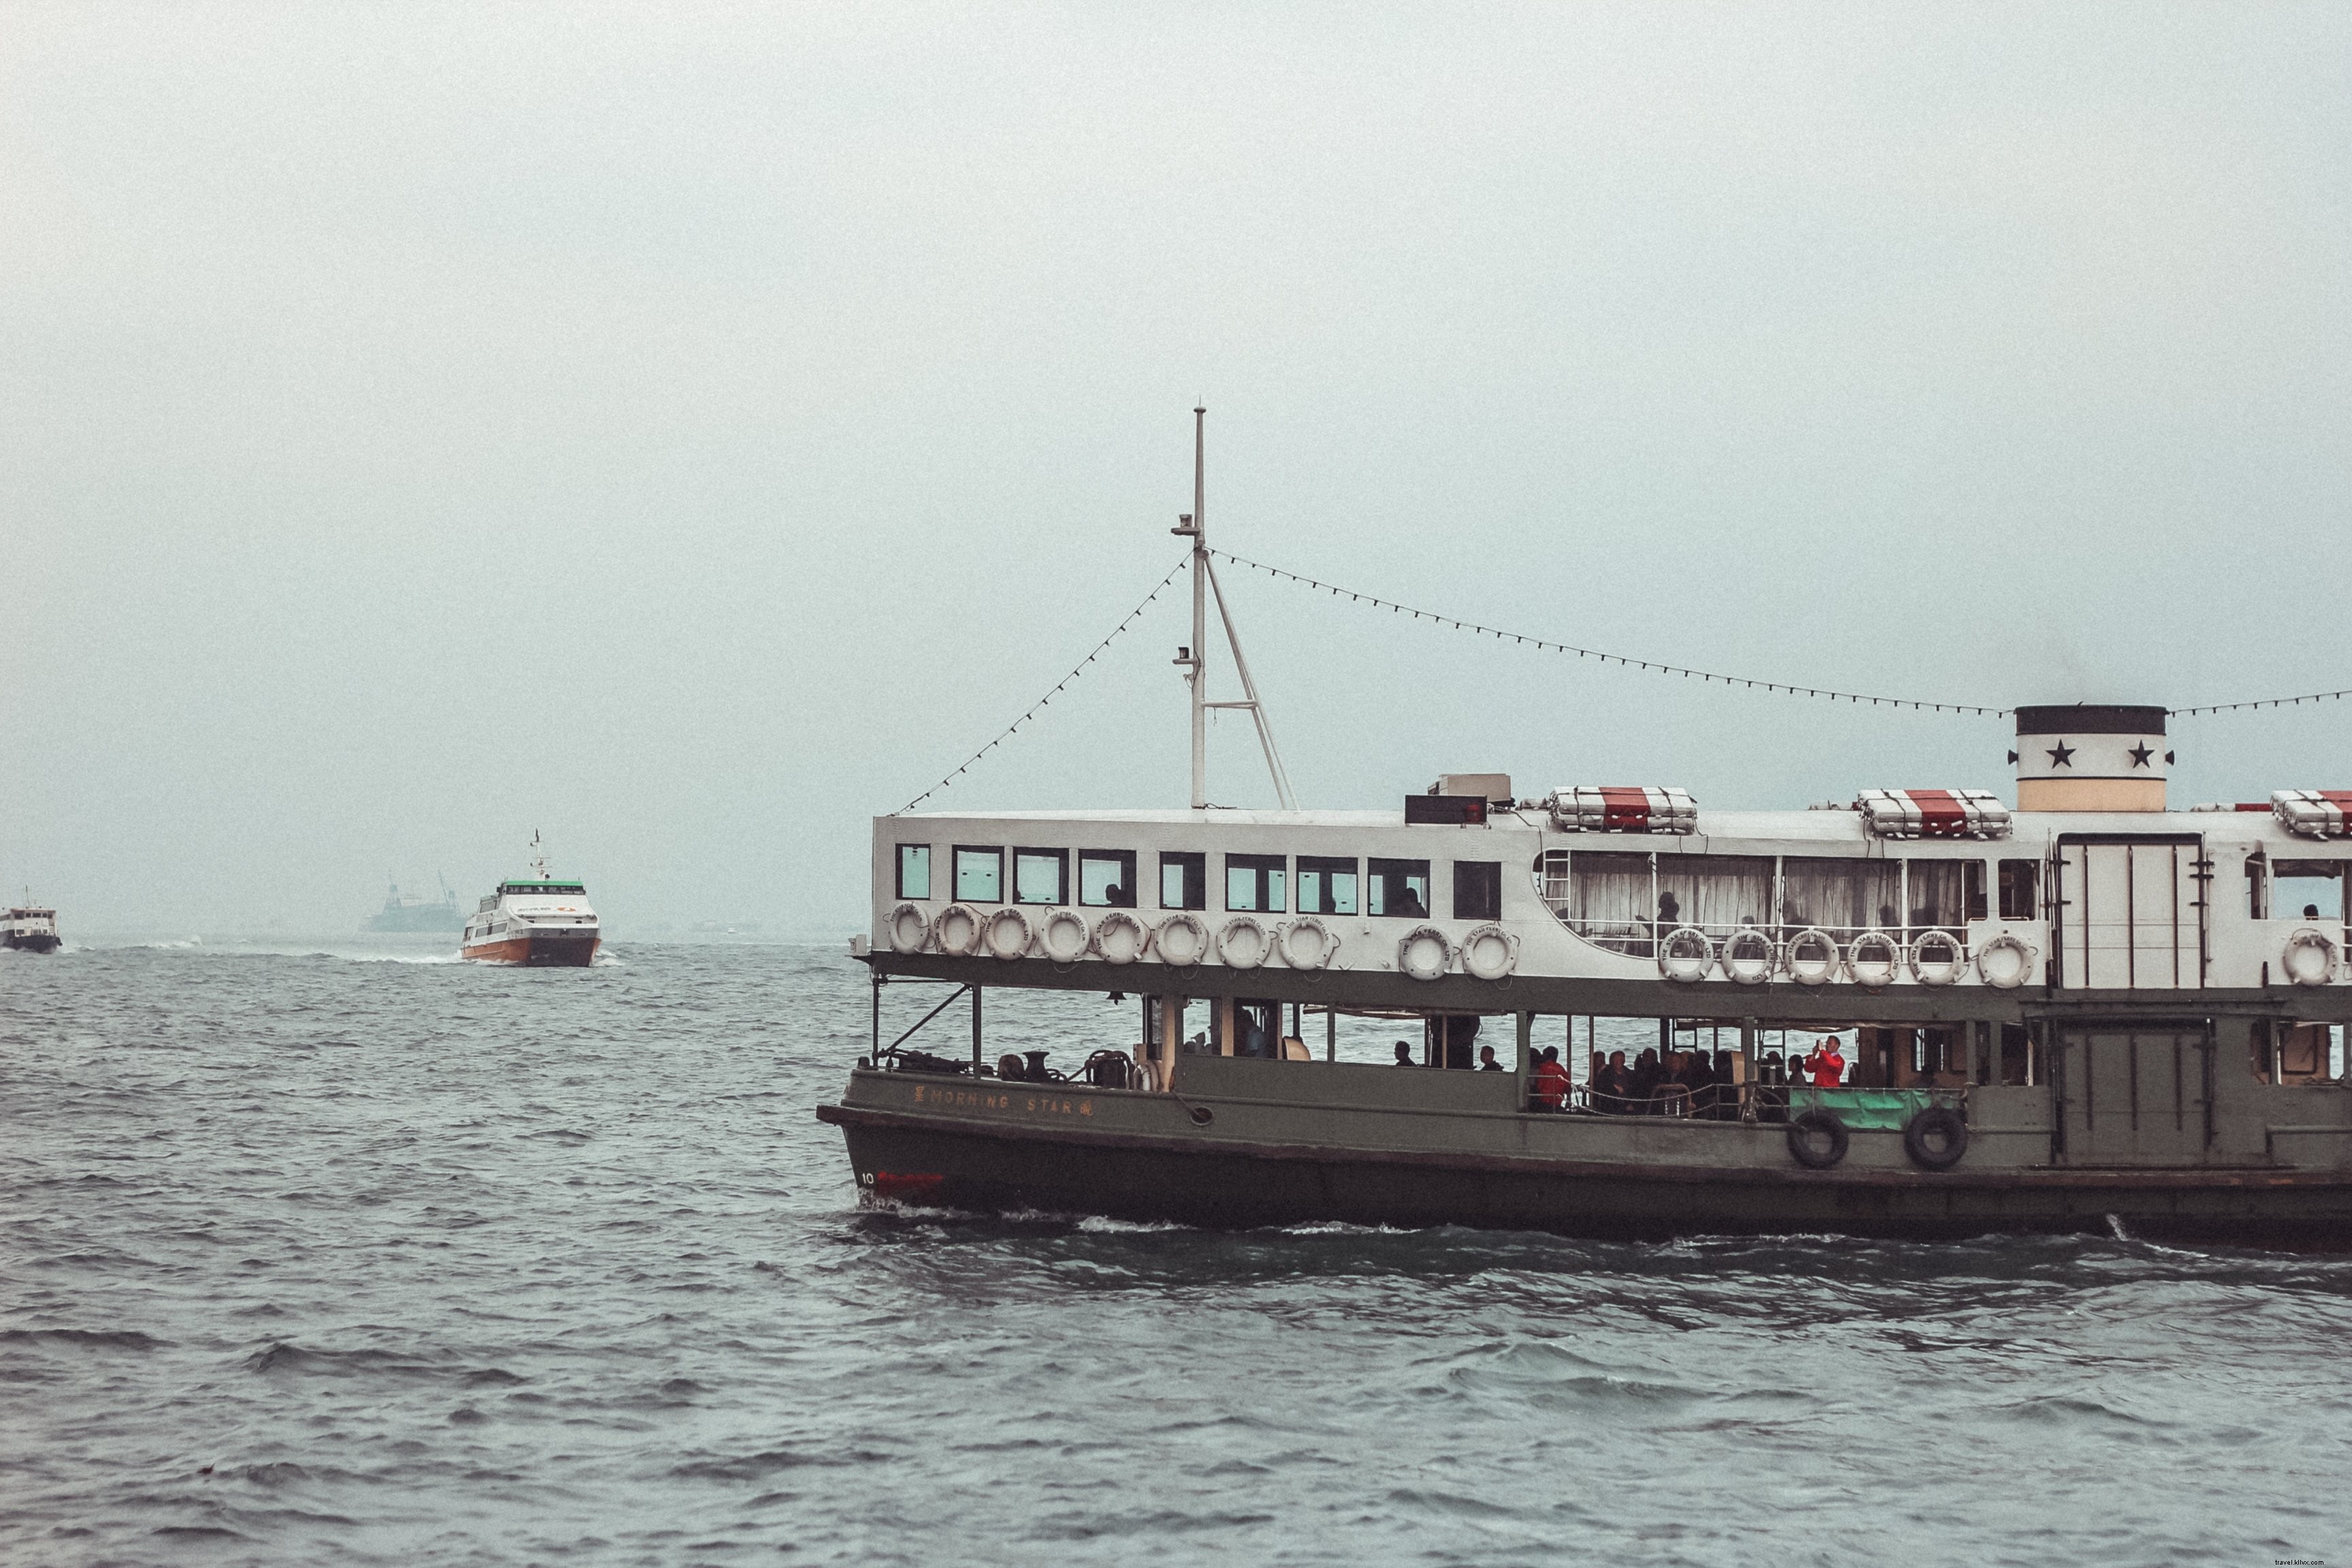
x=405 y=912
x=29 y=928
x=538 y=921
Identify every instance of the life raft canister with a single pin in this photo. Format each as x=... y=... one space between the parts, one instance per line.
x=1818 y=1140
x=2006 y=961
x=1064 y=936
x=1489 y=952
x=1007 y=933
x=2309 y=957
x=910 y=929
x=1937 y=957
x=1812 y=957
x=1242 y=943
x=1121 y=938
x=957 y=930
x=1686 y=955
x=1874 y=959
x=1181 y=940
x=1424 y=953
x=1306 y=943
x=1935 y=1138
x=1747 y=957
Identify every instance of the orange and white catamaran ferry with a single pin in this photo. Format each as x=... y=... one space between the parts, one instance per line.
x=538 y=920
x=2073 y=1007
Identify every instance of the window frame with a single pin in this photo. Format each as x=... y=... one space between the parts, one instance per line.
x=957 y=853
x=1490 y=905
x=1125 y=859
x=2005 y=889
x=925 y=851
x=1061 y=863
x=1326 y=867
x=1377 y=869
x=1194 y=887
x=1273 y=898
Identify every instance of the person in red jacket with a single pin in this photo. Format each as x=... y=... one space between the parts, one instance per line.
x=1550 y=1088
x=1826 y=1065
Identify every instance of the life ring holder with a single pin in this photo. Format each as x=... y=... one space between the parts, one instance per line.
x=909 y=928
x=1677 y=963
x=1489 y=952
x=1808 y=971
x=1007 y=919
x=2309 y=939
x=1751 y=968
x=1120 y=921
x=1417 y=940
x=1190 y=933
x=1942 y=971
x=1327 y=946
x=1062 y=920
x=1892 y=964
x=1242 y=943
x=943 y=931
x=1994 y=959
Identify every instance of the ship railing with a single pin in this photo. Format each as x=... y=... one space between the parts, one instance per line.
x=1711 y=1102
x=1641 y=939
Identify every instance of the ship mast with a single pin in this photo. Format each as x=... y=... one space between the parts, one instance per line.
x=1194 y=525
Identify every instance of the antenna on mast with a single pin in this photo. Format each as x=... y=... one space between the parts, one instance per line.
x=1195 y=657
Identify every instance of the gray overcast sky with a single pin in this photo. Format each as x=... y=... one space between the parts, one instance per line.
x=691 y=431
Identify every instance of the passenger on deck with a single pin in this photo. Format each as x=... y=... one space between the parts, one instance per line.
x=1487 y=1062
x=1409 y=906
x=1404 y=1055
x=1550 y=1089
x=1611 y=1083
x=1643 y=1080
x=1826 y=1065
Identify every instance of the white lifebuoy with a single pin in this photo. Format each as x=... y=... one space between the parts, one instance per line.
x=957 y=930
x=1064 y=936
x=1242 y=943
x=1747 y=956
x=1424 y=953
x=1306 y=943
x=1812 y=957
x=1181 y=940
x=1007 y=933
x=2006 y=961
x=2309 y=957
x=1937 y=957
x=1874 y=959
x=910 y=929
x=1121 y=938
x=1489 y=952
x=1686 y=955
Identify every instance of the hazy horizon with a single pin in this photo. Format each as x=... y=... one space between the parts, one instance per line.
x=690 y=433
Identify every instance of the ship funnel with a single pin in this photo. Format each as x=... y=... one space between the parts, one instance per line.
x=2088 y=757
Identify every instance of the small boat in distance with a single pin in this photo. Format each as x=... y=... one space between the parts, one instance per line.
x=414 y=912
x=537 y=921
x=29 y=927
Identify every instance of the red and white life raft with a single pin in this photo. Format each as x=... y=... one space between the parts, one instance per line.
x=1933 y=812
x=2314 y=813
x=1612 y=808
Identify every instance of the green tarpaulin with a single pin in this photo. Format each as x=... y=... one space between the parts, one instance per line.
x=1888 y=1108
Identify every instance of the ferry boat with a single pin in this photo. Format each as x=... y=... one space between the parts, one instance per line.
x=415 y=912
x=539 y=921
x=2081 y=1010
x=29 y=927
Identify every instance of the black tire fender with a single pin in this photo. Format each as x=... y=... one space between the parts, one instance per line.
x=1818 y=1140
x=1935 y=1138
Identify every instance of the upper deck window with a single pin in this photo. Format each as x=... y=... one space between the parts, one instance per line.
x=1714 y=891
x=914 y=870
x=574 y=888
x=1399 y=888
x=2307 y=889
x=1478 y=890
x=1841 y=895
x=1041 y=876
x=1106 y=878
x=2020 y=889
x=1183 y=879
x=1937 y=893
x=1326 y=886
x=979 y=874
x=1254 y=883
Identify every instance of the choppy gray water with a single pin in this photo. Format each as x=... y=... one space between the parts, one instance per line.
x=313 y=1257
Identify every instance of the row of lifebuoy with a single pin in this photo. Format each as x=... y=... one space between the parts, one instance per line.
x=1814 y=957
x=1487 y=951
x=2311 y=957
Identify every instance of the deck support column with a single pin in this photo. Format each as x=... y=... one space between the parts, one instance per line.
x=975 y=1032
x=1525 y=1054
x=1332 y=1033
x=875 y=975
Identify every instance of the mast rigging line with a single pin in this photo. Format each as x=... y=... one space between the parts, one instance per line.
x=1039 y=706
x=1549 y=645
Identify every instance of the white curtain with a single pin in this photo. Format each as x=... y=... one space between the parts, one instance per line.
x=1841 y=895
x=1714 y=890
